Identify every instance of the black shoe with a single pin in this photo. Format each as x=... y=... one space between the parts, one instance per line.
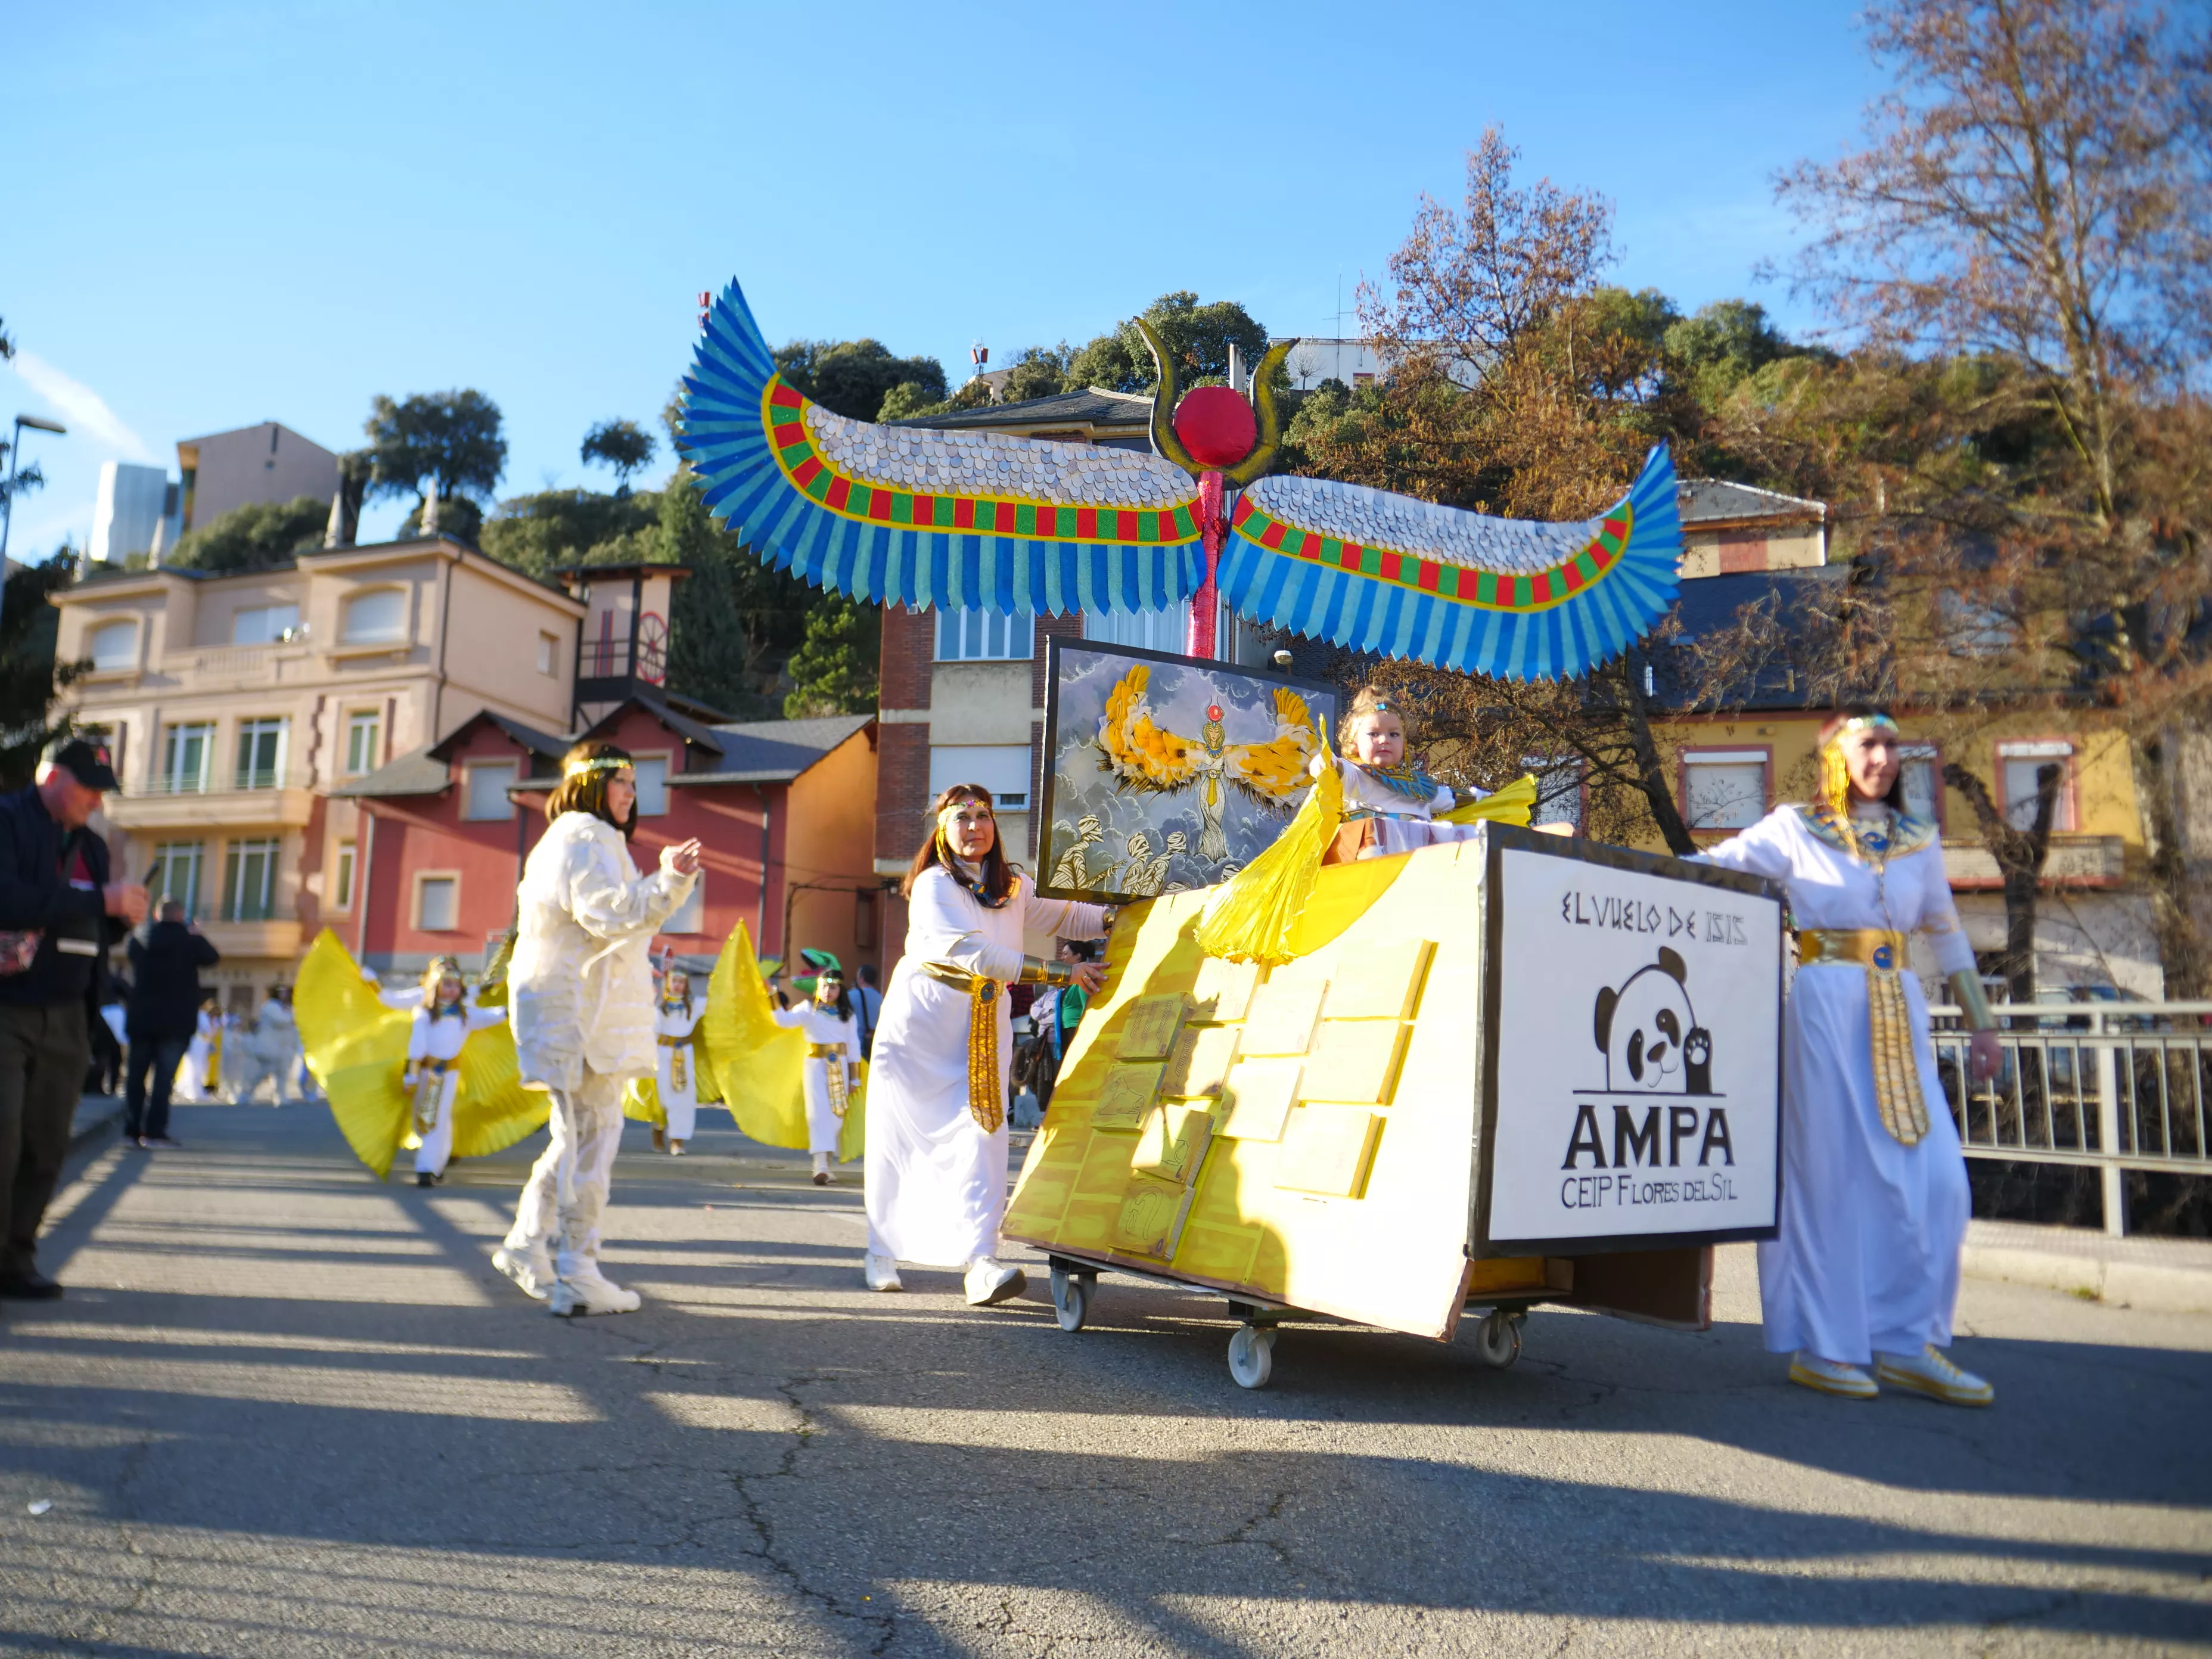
x=822 y=1177
x=425 y=1178
x=32 y=1286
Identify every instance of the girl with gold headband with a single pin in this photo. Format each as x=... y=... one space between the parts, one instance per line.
x=936 y=1160
x=579 y=987
x=831 y=1077
x=443 y=1021
x=1874 y=1201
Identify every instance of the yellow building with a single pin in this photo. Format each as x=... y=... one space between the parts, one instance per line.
x=235 y=702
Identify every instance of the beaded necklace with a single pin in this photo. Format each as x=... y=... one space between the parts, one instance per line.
x=959 y=869
x=1405 y=779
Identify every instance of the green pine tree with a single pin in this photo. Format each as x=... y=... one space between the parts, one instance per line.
x=834 y=670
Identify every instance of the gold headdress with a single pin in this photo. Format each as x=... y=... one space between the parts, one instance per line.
x=1835 y=777
x=578 y=769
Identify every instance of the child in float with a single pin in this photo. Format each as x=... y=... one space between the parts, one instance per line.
x=833 y=1057
x=676 y=1079
x=1390 y=805
x=443 y=1020
x=1875 y=1200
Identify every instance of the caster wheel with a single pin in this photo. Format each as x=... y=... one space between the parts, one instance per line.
x=1497 y=1339
x=1071 y=1298
x=1252 y=1355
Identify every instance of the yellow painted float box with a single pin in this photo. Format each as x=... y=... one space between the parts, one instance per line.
x=1515 y=1070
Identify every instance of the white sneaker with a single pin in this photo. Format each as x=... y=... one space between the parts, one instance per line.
x=1931 y=1373
x=991 y=1282
x=882 y=1273
x=675 y=1149
x=582 y=1289
x=532 y=1270
x=1810 y=1371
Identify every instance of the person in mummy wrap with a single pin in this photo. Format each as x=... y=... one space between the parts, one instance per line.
x=833 y=1057
x=444 y=1018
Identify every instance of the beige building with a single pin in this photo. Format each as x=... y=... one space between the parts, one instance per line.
x=235 y=702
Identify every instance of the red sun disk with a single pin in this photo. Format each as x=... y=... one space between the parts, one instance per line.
x=1216 y=425
x=1213 y=711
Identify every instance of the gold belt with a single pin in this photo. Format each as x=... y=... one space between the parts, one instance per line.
x=1897 y=1091
x=672 y=1042
x=985 y=1093
x=824 y=1050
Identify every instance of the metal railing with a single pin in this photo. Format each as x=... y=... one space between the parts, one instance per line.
x=2113 y=1086
x=225 y=782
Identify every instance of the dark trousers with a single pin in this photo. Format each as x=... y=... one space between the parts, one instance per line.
x=162 y=1055
x=43 y=1054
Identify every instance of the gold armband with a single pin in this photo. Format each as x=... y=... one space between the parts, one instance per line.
x=1966 y=986
x=1036 y=972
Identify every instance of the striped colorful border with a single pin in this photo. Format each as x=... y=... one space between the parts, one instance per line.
x=1487 y=590
x=783 y=417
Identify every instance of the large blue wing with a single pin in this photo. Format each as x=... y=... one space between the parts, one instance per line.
x=1511 y=598
x=955 y=520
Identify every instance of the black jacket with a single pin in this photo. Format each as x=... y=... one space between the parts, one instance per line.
x=34 y=892
x=165 y=1000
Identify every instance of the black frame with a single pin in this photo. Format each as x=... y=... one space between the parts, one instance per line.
x=1501 y=838
x=1315 y=691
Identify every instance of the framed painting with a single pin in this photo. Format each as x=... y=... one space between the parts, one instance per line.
x=1166 y=774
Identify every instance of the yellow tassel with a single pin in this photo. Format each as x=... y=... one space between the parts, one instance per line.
x=1512 y=805
x=1250 y=917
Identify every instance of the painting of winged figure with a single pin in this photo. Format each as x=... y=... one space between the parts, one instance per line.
x=1166 y=774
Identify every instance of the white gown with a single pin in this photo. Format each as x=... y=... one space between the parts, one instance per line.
x=936 y=1182
x=676 y=1080
x=440 y=1039
x=823 y=1025
x=1867 y=1258
x=1403 y=821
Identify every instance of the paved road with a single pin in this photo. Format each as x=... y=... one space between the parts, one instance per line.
x=284 y=1411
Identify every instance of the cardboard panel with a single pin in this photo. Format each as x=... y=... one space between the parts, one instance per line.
x=1354 y=1060
x=1151 y=1218
x=1282 y=1016
x=1258 y=1096
x=1225 y=989
x=1382 y=981
x=1127 y=1095
x=1173 y=1143
x=1047 y=1179
x=1150 y=1032
x=1657 y=1287
x=1200 y=1062
x=1326 y=1150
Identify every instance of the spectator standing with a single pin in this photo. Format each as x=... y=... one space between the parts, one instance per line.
x=58 y=915
x=867 y=1007
x=165 y=959
x=106 y=1077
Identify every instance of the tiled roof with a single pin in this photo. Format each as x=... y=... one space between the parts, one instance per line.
x=774 y=751
x=1704 y=500
x=415 y=773
x=1710 y=603
x=547 y=745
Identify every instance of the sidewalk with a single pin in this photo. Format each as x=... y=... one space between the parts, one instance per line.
x=95 y=1115
x=2162 y=1275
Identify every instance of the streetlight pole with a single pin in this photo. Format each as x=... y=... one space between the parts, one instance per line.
x=36 y=424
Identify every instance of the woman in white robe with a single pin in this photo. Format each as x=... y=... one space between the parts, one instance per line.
x=936 y=1160
x=1875 y=1200
x=832 y=1071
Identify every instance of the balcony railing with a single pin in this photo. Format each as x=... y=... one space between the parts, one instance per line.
x=225 y=782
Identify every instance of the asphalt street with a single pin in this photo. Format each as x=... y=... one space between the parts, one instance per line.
x=286 y=1411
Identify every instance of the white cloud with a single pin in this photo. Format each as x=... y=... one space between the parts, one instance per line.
x=83 y=411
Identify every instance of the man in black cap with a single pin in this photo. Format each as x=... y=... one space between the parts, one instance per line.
x=59 y=913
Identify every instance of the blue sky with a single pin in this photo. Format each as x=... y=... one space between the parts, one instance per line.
x=220 y=214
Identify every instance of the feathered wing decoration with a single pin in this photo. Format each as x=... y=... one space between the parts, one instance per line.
x=954 y=520
x=1512 y=598
x=760 y=1064
x=1512 y=805
x=1251 y=915
x=356 y=1048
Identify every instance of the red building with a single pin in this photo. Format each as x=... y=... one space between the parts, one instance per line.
x=786 y=810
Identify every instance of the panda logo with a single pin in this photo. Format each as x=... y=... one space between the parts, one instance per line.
x=1650 y=1035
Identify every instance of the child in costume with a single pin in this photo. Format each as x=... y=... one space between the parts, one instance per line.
x=1390 y=805
x=442 y=1023
x=676 y=1024
x=833 y=1057
x=202 y=1072
x=1874 y=1199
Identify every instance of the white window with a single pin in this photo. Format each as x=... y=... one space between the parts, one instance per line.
x=651 y=772
x=375 y=617
x=1147 y=631
x=249 y=880
x=985 y=637
x=486 y=787
x=265 y=625
x=691 y=916
x=1724 y=788
x=1002 y=768
x=1558 y=790
x=364 y=748
x=114 y=644
x=342 y=877
x=1921 y=772
x=261 y=754
x=437 y=903
x=2019 y=763
x=548 y=653
x=187 y=758
x=177 y=873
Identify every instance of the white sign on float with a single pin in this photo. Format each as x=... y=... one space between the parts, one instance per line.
x=1638 y=1055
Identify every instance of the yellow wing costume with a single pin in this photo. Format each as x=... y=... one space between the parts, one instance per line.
x=356 y=1048
x=759 y=1064
x=1141 y=754
x=641 y=1099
